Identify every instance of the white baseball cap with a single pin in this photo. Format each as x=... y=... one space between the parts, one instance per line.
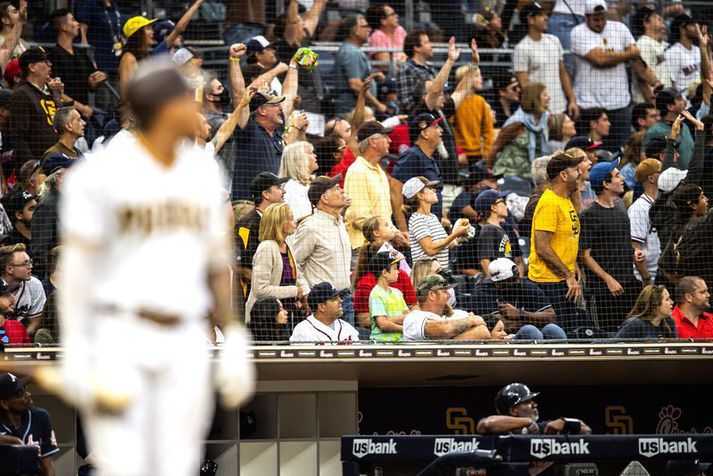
x=182 y=57
x=670 y=178
x=501 y=269
x=593 y=7
x=415 y=185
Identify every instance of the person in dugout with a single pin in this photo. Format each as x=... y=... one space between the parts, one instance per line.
x=518 y=413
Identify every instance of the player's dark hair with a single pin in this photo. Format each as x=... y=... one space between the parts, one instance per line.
x=4 y=7
x=374 y=15
x=655 y=147
x=59 y=16
x=148 y=95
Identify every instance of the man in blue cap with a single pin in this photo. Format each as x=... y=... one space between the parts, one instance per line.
x=325 y=323
x=605 y=248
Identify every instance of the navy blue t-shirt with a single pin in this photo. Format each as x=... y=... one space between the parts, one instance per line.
x=35 y=430
x=413 y=162
x=104 y=30
x=635 y=328
x=526 y=297
x=255 y=151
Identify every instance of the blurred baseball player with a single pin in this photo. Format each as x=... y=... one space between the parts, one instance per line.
x=155 y=205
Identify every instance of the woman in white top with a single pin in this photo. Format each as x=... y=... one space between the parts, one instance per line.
x=427 y=235
x=299 y=162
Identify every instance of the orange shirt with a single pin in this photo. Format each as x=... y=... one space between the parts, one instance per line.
x=473 y=126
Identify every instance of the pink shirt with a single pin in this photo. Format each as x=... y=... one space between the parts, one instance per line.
x=379 y=39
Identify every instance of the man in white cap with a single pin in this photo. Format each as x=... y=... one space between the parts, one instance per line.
x=602 y=48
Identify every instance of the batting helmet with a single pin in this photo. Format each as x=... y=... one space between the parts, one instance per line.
x=511 y=395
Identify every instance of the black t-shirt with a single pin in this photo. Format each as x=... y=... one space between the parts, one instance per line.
x=525 y=296
x=255 y=151
x=35 y=430
x=607 y=233
x=449 y=165
x=696 y=249
x=309 y=84
x=493 y=243
x=15 y=237
x=74 y=70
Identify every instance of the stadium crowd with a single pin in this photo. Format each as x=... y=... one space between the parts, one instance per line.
x=394 y=198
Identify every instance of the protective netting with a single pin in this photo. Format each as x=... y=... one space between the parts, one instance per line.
x=406 y=171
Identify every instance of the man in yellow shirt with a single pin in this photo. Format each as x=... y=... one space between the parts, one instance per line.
x=367 y=184
x=555 y=240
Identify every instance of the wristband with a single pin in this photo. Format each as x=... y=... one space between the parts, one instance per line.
x=292 y=66
x=235 y=60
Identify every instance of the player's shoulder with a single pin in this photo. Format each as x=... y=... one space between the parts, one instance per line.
x=34 y=285
x=40 y=416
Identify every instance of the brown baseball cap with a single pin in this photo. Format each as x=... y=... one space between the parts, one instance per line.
x=320 y=185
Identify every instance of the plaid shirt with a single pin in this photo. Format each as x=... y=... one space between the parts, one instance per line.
x=408 y=77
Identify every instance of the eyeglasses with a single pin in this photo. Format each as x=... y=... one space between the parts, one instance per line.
x=26 y=264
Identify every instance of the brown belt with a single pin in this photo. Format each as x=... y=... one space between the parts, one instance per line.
x=160 y=318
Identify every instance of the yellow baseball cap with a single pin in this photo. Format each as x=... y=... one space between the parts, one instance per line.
x=135 y=24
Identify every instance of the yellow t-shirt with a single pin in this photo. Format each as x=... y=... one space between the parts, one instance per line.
x=556 y=215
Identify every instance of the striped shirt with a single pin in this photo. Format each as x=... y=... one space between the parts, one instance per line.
x=419 y=227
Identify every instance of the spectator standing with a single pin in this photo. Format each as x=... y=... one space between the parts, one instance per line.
x=23 y=424
x=632 y=156
x=352 y=66
x=139 y=40
x=611 y=286
x=385 y=33
x=427 y=235
x=472 y=122
x=45 y=222
x=683 y=57
x=68 y=123
x=602 y=48
x=32 y=107
x=429 y=322
x=524 y=136
x=77 y=70
x=693 y=300
x=539 y=58
x=554 y=242
x=11 y=331
x=650 y=317
x=268 y=321
x=275 y=272
x=29 y=294
x=387 y=307
x=416 y=70
x=519 y=303
x=367 y=184
x=644 y=115
x=12 y=21
x=378 y=234
x=100 y=22
x=20 y=207
x=489 y=31
x=325 y=323
x=493 y=241
x=644 y=236
x=562 y=129
x=299 y=163
x=262 y=57
x=294 y=30
x=322 y=246
x=652 y=48
x=670 y=104
x=266 y=189
x=596 y=125
x=507 y=100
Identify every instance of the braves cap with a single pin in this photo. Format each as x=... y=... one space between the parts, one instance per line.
x=371 y=128
x=582 y=142
x=16 y=202
x=322 y=292
x=501 y=269
x=10 y=384
x=263 y=181
x=320 y=185
x=415 y=185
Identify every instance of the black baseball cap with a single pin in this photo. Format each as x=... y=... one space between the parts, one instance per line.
x=33 y=55
x=582 y=142
x=5 y=288
x=531 y=10
x=260 y=99
x=679 y=21
x=263 y=181
x=667 y=97
x=257 y=44
x=16 y=202
x=371 y=128
x=381 y=261
x=10 y=384
x=487 y=199
x=478 y=174
x=322 y=292
x=320 y=185
x=559 y=162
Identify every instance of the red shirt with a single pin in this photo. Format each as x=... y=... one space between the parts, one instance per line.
x=348 y=159
x=687 y=330
x=12 y=332
x=367 y=283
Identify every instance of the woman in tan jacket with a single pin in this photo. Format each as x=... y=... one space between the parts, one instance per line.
x=275 y=272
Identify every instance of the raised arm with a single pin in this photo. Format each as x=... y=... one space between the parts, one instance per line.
x=358 y=116
x=312 y=16
x=435 y=87
x=183 y=23
x=289 y=88
x=239 y=117
x=695 y=166
x=235 y=74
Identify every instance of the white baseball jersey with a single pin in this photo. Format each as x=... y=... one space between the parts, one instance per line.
x=415 y=324
x=312 y=330
x=156 y=227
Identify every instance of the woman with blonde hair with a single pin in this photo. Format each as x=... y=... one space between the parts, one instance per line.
x=651 y=316
x=275 y=273
x=524 y=135
x=299 y=163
